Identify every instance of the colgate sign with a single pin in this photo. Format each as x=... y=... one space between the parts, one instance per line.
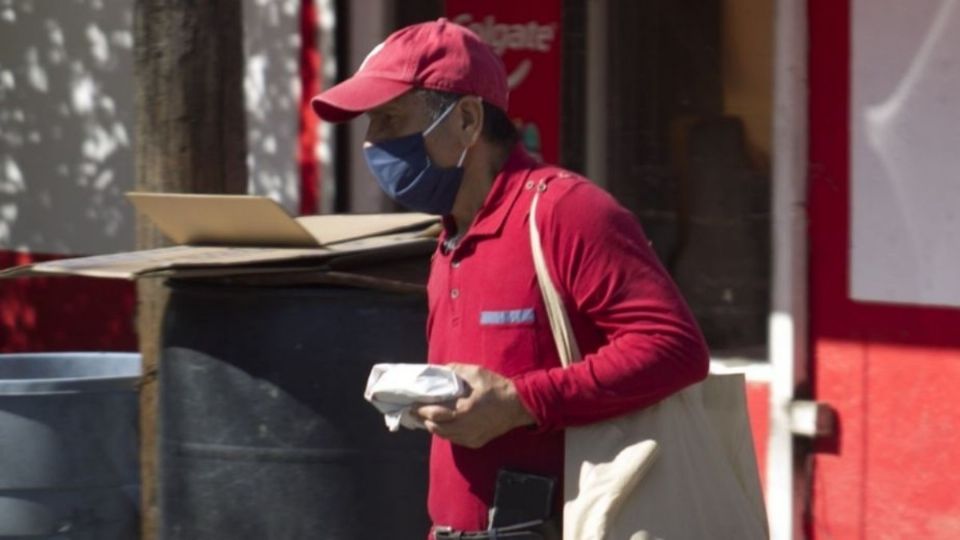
x=531 y=36
x=528 y=37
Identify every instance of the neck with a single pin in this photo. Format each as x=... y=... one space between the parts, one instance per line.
x=478 y=177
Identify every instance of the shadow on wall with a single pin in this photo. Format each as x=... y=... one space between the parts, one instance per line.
x=66 y=159
x=904 y=153
x=66 y=98
x=66 y=119
x=272 y=88
x=66 y=155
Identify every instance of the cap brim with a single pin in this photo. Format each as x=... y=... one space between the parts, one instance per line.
x=356 y=96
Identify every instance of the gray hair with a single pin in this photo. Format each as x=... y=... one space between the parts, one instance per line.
x=437 y=101
x=497 y=126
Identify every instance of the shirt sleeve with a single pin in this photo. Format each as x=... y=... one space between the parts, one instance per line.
x=610 y=277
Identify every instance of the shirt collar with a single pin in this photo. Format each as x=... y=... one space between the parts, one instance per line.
x=499 y=201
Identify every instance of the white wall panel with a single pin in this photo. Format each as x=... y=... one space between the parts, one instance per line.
x=905 y=151
x=272 y=86
x=66 y=105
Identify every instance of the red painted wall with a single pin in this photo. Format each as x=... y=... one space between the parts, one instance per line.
x=64 y=314
x=891 y=372
x=758 y=404
x=310 y=79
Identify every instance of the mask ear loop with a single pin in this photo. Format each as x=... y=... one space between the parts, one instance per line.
x=463 y=155
x=440 y=118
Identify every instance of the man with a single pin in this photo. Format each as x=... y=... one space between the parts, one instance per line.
x=439 y=141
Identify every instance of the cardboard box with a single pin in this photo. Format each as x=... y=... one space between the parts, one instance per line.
x=235 y=235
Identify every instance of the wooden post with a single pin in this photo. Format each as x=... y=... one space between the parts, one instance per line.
x=190 y=138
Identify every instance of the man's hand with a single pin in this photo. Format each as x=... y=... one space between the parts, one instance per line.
x=490 y=409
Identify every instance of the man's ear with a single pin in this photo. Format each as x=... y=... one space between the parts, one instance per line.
x=471 y=119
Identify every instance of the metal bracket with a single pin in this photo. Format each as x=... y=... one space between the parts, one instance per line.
x=812 y=419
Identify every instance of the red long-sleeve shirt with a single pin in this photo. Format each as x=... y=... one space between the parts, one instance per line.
x=638 y=339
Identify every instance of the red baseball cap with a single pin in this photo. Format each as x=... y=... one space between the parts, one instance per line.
x=436 y=55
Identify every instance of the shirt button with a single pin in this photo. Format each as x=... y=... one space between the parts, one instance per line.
x=455 y=264
x=455 y=293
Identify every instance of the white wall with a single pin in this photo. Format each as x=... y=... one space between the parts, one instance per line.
x=66 y=104
x=66 y=119
x=905 y=151
x=272 y=85
x=369 y=26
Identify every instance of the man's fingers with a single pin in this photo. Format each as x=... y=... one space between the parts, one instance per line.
x=445 y=431
x=451 y=433
x=435 y=413
x=432 y=427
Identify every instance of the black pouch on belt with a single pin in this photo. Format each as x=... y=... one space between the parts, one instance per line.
x=521 y=498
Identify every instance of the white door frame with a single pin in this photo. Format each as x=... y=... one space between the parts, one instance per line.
x=786 y=485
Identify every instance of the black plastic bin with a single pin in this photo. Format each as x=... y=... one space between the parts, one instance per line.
x=264 y=432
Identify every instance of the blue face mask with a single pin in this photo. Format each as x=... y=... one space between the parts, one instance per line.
x=406 y=174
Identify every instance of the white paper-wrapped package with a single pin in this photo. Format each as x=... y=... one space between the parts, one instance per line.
x=395 y=388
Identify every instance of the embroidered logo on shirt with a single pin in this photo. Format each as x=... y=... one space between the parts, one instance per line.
x=513 y=316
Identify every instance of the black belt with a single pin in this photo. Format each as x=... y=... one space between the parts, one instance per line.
x=531 y=530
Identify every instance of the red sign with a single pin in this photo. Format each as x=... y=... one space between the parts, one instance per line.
x=526 y=35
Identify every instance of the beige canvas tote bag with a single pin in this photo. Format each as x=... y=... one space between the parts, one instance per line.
x=669 y=471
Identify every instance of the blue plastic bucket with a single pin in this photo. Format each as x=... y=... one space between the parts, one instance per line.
x=69 y=464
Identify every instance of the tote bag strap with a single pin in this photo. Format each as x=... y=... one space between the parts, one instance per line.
x=556 y=313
